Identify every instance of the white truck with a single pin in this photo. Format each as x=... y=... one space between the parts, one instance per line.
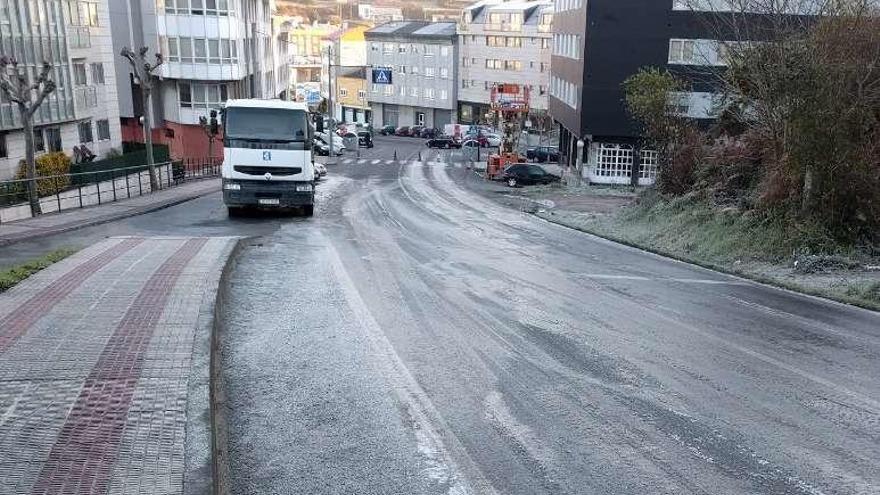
x=267 y=156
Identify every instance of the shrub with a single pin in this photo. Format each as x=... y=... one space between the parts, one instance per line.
x=54 y=165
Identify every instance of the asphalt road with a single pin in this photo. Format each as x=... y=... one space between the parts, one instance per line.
x=416 y=337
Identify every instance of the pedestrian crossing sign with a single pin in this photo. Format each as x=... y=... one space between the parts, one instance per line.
x=381 y=75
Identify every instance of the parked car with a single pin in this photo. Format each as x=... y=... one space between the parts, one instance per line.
x=416 y=130
x=492 y=140
x=320 y=170
x=338 y=145
x=402 y=131
x=542 y=154
x=472 y=143
x=365 y=139
x=527 y=174
x=338 y=142
x=430 y=133
x=443 y=142
x=388 y=130
x=320 y=147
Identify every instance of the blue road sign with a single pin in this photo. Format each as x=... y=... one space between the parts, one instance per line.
x=382 y=75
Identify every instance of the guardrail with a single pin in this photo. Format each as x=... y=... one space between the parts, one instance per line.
x=82 y=189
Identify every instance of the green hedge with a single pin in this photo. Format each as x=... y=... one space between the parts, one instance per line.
x=135 y=158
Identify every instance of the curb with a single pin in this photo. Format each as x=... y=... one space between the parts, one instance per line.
x=756 y=279
x=219 y=438
x=100 y=221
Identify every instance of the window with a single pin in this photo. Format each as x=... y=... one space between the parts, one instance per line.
x=375 y=88
x=373 y=46
x=388 y=48
x=85 y=132
x=401 y=69
x=362 y=95
x=198 y=7
x=343 y=92
x=429 y=93
x=213 y=51
x=444 y=51
x=415 y=70
x=444 y=95
x=88 y=14
x=184 y=95
x=53 y=139
x=79 y=74
x=444 y=73
x=401 y=48
x=103 y=127
x=414 y=91
x=4 y=153
x=173 y=53
x=429 y=51
x=403 y=91
x=429 y=72
x=186 y=52
x=98 y=73
x=200 y=52
x=39 y=142
x=389 y=90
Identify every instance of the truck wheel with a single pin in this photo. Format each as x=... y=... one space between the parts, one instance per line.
x=309 y=210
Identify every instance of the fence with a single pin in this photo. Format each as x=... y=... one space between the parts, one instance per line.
x=82 y=189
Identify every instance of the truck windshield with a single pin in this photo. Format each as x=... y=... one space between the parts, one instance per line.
x=266 y=125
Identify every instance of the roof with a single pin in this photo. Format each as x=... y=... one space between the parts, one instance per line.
x=413 y=29
x=254 y=103
x=531 y=9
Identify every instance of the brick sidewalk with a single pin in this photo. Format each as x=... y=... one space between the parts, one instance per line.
x=104 y=370
x=67 y=220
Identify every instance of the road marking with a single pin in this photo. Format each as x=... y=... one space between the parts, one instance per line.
x=441 y=466
x=361 y=161
x=375 y=162
x=347 y=161
x=601 y=276
x=389 y=162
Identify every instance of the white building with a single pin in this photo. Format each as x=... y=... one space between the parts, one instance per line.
x=214 y=50
x=73 y=35
x=503 y=42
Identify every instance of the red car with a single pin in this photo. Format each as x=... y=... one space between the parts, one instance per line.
x=402 y=131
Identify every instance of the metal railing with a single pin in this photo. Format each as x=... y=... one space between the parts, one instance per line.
x=82 y=189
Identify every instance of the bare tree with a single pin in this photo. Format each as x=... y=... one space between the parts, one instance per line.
x=28 y=97
x=143 y=71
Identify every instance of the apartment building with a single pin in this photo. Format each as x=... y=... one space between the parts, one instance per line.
x=351 y=95
x=503 y=42
x=214 y=50
x=74 y=36
x=597 y=45
x=347 y=55
x=422 y=57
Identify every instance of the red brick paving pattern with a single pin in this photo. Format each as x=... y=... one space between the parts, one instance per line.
x=82 y=459
x=16 y=323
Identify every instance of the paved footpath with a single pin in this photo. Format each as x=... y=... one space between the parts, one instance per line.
x=54 y=223
x=104 y=370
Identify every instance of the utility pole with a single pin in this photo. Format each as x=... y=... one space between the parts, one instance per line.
x=143 y=71
x=331 y=131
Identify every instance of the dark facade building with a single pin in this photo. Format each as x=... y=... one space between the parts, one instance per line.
x=597 y=45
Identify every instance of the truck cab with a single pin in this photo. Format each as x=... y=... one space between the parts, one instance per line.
x=268 y=160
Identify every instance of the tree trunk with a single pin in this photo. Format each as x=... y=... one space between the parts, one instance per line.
x=31 y=164
x=807 y=193
x=636 y=166
x=148 y=138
